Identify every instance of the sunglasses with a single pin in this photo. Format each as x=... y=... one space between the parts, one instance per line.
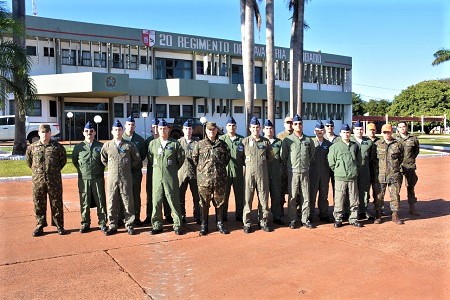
x=298 y=123
x=89 y=130
x=329 y=125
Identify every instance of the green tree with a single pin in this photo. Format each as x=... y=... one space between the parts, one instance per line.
x=358 y=108
x=377 y=107
x=441 y=56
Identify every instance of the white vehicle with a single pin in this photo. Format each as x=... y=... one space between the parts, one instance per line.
x=7 y=129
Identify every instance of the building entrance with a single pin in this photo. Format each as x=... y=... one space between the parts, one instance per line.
x=78 y=121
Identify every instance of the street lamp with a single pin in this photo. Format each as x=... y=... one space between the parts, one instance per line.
x=145 y=115
x=70 y=115
x=97 y=119
x=203 y=120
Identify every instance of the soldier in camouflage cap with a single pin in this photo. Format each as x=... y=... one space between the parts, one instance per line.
x=211 y=157
x=46 y=158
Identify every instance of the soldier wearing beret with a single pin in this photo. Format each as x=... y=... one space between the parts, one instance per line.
x=187 y=174
x=211 y=156
x=46 y=158
x=120 y=156
x=235 y=169
x=91 y=179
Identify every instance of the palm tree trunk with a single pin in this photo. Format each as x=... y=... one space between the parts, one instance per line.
x=248 y=60
x=270 y=61
x=293 y=72
x=300 y=37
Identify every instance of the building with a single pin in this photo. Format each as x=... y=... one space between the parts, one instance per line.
x=93 y=69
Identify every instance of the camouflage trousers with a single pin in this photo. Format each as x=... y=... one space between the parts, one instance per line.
x=92 y=190
x=54 y=191
x=394 y=191
x=192 y=182
x=299 y=196
x=212 y=193
x=410 y=182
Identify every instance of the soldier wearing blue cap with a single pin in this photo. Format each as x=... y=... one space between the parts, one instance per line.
x=274 y=171
x=167 y=156
x=235 y=169
x=120 y=156
x=364 y=174
x=344 y=159
x=320 y=174
x=257 y=153
x=131 y=136
x=91 y=179
x=297 y=151
x=187 y=174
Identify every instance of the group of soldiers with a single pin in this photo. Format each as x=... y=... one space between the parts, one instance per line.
x=289 y=163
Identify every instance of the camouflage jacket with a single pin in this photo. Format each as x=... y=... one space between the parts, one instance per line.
x=46 y=161
x=411 y=148
x=387 y=160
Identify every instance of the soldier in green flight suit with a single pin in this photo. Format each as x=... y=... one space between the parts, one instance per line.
x=120 y=156
x=91 y=179
x=131 y=136
x=235 y=169
x=167 y=156
x=274 y=169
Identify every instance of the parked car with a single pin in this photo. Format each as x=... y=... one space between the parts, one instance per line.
x=8 y=127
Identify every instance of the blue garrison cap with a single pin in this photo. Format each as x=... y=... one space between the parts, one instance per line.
x=358 y=124
x=155 y=121
x=345 y=127
x=89 y=125
x=117 y=124
x=319 y=125
x=130 y=119
x=268 y=123
x=254 y=121
x=162 y=123
x=231 y=120
x=329 y=122
x=296 y=118
x=188 y=123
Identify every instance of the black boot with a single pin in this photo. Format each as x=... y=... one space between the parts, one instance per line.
x=204 y=219
x=219 y=217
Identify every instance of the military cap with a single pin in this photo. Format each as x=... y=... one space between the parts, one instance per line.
x=345 y=127
x=358 y=124
x=155 y=121
x=188 y=123
x=329 y=122
x=45 y=127
x=297 y=118
x=211 y=125
x=254 y=121
x=117 y=124
x=162 y=123
x=386 y=127
x=89 y=125
x=231 y=120
x=371 y=126
x=319 y=125
x=130 y=119
x=268 y=123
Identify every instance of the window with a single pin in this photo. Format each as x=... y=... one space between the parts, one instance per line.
x=12 y=111
x=201 y=109
x=161 y=111
x=68 y=57
x=53 y=110
x=100 y=59
x=86 y=58
x=144 y=107
x=237 y=74
x=174 y=111
x=144 y=60
x=224 y=109
x=258 y=75
x=118 y=110
x=173 y=68
x=199 y=67
x=132 y=61
x=257 y=112
x=50 y=52
x=278 y=110
x=36 y=110
x=31 y=50
x=117 y=61
x=188 y=111
x=238 y=109
x=133 y=110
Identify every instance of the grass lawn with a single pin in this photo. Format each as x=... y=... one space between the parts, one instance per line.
x=437 y=140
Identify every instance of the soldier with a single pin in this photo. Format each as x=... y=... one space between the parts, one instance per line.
x=344 y=159
x=91 y=179
x=235 y=170
x=297 y=151
x=329 y=131
x=371 y=134
x=211 y=157
x=46 y=158
x=411 y=146
x=320 y=174
x=287 y=128
x=257 y=152
x=274 y=169
x=187 y=174
x=167 y=156
x=120 y=156
x=284 y=178
x=136 y=172
x=388 y=158
x=364 y=176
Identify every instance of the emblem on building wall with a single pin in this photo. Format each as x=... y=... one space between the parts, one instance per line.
x=110 y=81
x=148 y=37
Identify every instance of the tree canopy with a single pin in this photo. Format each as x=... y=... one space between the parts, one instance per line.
x=358 y=108
x=377 y=107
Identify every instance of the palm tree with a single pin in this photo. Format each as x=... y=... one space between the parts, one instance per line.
x=441 y=56
x=270 y=51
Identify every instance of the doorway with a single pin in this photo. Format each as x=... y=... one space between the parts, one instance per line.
x=79 y=119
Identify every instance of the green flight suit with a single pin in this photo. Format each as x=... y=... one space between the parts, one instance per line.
x=319 y=173
x=283 y=174
x=296 y=154
x=136 y=172
x=119 y=159
x=91 y=180
x=274 y=169
x=256 y=154
x=364 y=176
x=235 y=175
x=166 y=162
x=187 y=175
x=411 y=147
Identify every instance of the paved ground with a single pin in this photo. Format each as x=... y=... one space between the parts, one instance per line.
x=377 y=261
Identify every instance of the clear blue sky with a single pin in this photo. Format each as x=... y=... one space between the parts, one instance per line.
x=391 y=41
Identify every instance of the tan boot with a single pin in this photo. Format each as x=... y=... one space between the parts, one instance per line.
x=377 y=217
x=413 y=211
x=396 y=219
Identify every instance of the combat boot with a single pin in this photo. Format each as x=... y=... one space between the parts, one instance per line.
x=220 y=227
x=204 y=219
x=396 y=219
x=413 y=211
x=377 y=217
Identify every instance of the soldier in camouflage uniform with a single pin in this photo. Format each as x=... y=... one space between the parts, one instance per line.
x=371 y=134
x=388 y=158
x=235 y=170
x=320 y=174
x=297 y=151
x=91 y=178
x=136 y=172
x=187 y=174
x=167 y=156
x=120 y=156
x=283 y=170
x=411 y=146
x=211 y=157
x=274 y=169
x=46 y=158
x=257 y=153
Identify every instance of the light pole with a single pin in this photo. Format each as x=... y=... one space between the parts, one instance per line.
x=203 y=120
x=145 y=115
x=70 y=115
x=97 y=119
